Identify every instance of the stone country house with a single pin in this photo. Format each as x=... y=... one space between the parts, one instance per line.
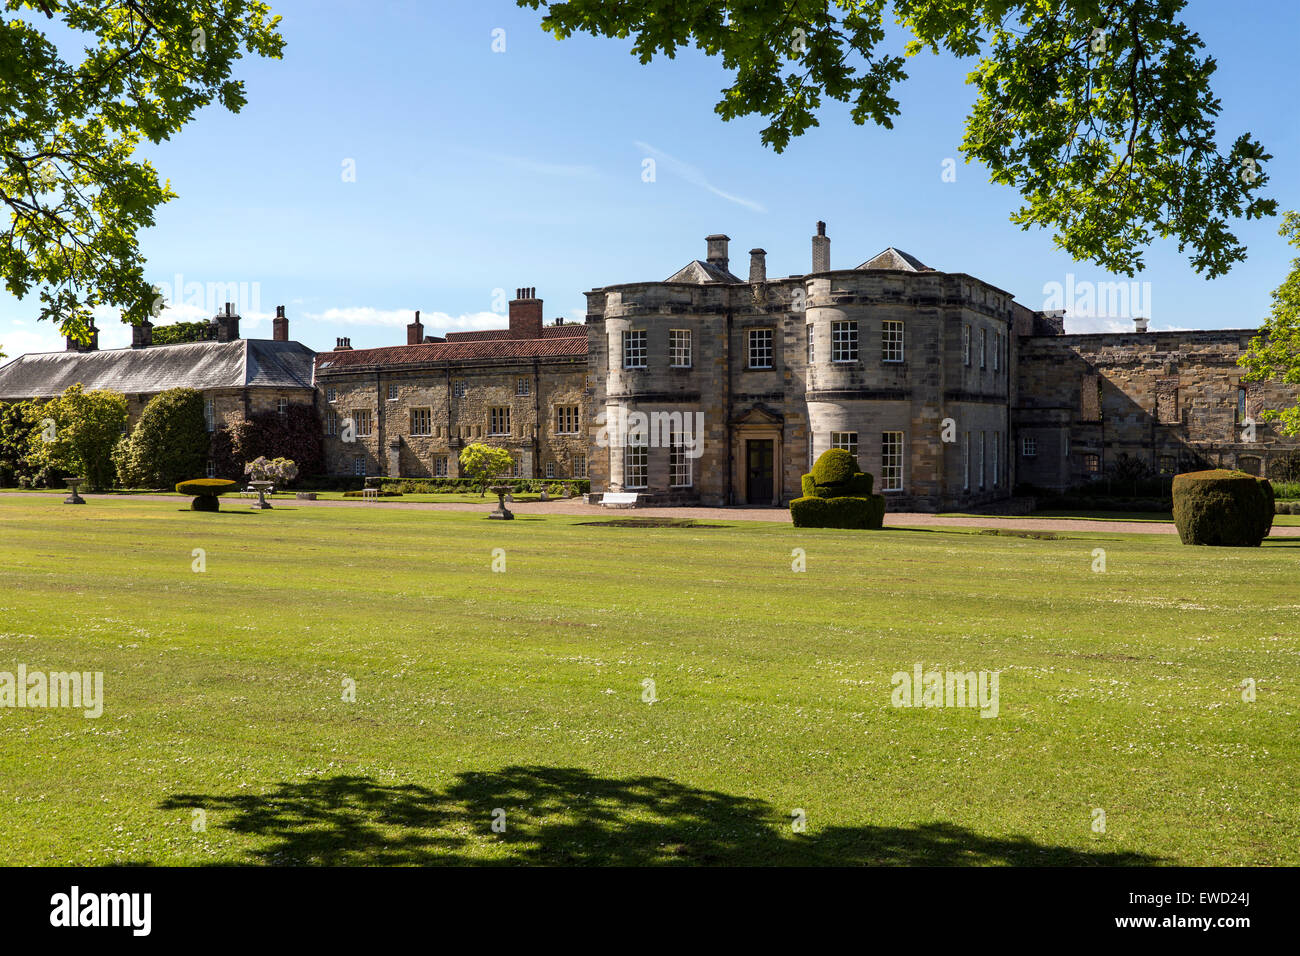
x=708 y=388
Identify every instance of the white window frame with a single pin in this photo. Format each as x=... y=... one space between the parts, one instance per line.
x=634 y=348
x=965 y=463
x=891 y=461
x=983 y=449
x=997 y=351
x=359 y=465
x=760 y=350
x=579 y=466
x=212 y=469
x=681 y=473
x=210 y=413
x=550 y=469
x=997 y=459
x=459 y=388
x=1028 y=446
x=965 y=345
x=331 y=394
x=441 y=466
x=331 y=423
x=984 y=347
x=636 y=463
x=364 y=420
x=679 y=348
x=523 y=387
x=812 y=345
x=844 y=341
x=891 y=341
x=392 y=392
x=848 y=441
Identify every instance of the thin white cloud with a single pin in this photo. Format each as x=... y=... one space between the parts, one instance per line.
x=695 y=176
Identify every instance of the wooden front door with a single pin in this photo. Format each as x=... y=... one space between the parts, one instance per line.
x=758 y=466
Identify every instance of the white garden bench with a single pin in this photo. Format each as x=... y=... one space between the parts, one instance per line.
x=370 y=493
x=621 y=499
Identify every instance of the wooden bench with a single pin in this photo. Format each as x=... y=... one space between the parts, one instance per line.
x=621 y=499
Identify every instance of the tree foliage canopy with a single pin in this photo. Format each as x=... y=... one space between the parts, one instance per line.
x=77 y=433
x=169 y=443
x=482 y=463
x=1099 y=113
x=76 y=192
x=1275 y=351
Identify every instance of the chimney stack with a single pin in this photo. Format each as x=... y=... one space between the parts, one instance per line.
x=92 y=345
x=717 y=254
x=757 y=265
x=1140 y=324
x=142 y=335
x=227 y=323
x=821 y=259
x=415 y=330
x=280 y=325
x=526 y=314
x=343 y=345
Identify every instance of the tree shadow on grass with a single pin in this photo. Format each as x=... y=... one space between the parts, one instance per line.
x=568 y=816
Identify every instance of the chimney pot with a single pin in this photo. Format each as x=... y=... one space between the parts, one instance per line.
x=717 y=250
x=415 y=331
x=142 y=335
x=227 y=323
x=1140 y=324
x=757 y=265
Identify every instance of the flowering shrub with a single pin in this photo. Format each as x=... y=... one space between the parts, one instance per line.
x=280 y=470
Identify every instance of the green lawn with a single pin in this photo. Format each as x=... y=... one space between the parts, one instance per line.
x=523 y=691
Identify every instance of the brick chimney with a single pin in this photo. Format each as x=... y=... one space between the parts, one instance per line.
x=343 y=345
x=415 y=330
x=227 y=323
x=92 y=345
x=142 y=335
x=526 y=314
x=757 y=265
x=821 y=259
x=280 y=325
x=717 y=246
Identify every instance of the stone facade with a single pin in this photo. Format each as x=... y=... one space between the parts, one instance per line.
x=409 y=410
x=1171 y=400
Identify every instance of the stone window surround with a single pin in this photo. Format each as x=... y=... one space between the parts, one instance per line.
x=848 y=343
x=753 y=340
x=889 y=344
x=891 y=447
x=679 y=348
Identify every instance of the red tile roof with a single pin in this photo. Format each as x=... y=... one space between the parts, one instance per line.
x=458 y=351
x=574 y=329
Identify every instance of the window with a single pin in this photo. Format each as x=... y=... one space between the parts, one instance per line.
x=566 y=419
x=983 y=444
x=636 y=463
x=846 y=440
x=891 y=461
x=358 y=465
x=965 y=464
x=891 y=341
x=459 y=389
x=679 y=348
x=760 y=348
x=997 y=440
x=1241 y=405
x=499 y=420
x=392 y=393
x=1028 y=447
x=516 y=468
x=210 y=414
x=579 y=466
x=984 y=347
x=679 y=463
x=331 y=423
x=364 y=421
x=1168 y=464
x=997 y=350
x=1250 y=464
x=212 y=469
x=1092 y=464
x=634 y=348
x=844 y=341
x=811 y=350
x=965 y=345
x=331 y=394
x=421 y=421
x=523 y=387
x=550 y=469
x=440 y=466
x=282 y=406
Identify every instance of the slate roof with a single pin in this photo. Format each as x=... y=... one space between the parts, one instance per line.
x=201 y=365
x=457 y=351
x=698 y=271
x=896 y=259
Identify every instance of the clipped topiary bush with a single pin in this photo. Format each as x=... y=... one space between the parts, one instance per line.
x=205 y=492
x=1222 y=508
x=837 y=495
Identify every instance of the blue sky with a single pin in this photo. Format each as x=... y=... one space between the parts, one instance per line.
x=477 y=171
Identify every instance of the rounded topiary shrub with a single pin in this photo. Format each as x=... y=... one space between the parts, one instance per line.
x=835 y=467
x=810 y=512
x=205 y=492
x=1222 y=508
